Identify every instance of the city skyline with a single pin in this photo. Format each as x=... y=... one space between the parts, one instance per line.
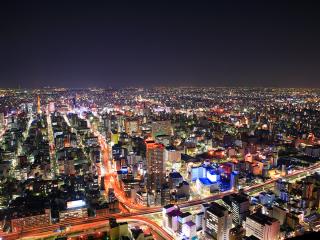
x=159 y=163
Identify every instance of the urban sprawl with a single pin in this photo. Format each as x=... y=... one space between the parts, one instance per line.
x=159 y=163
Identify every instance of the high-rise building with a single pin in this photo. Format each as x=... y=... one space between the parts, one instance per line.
x=239 y=207
x=218 y=221
x=262 y=226
x=38 y=105
x=155 y=165
x=51 y=107
x=234 y=180
x=30 y=108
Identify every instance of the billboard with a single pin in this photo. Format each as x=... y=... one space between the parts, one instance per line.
x=76 y=204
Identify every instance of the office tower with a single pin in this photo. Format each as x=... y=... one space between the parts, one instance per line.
x=283 y=170
x=161 y=128
x=239 y=207
x=155 y=165
x=218 y=222
x=262 y=227
x=38 y=105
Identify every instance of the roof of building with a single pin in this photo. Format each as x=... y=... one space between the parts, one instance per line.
x=174 y=213
x=175 y=175
x=239 y=198
x=262 y=219
x=185 y=214
x=190 y=223
x=205 y=181
x=217 y=209
x=168 y=206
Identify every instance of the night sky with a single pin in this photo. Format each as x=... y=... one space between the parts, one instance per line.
x=159 y=43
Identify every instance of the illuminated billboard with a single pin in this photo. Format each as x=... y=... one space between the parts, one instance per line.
x=76 y=204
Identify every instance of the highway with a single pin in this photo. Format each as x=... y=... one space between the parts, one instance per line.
x=95 y=222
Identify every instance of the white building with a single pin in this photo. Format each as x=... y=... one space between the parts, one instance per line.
x=262 y=227
x=218 y=222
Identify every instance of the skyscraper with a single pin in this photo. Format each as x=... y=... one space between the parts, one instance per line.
x=155 y=165
x=218 y=221
x=239 y=207
x=38 y=105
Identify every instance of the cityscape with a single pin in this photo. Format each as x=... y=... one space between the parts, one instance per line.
x=159 y=120
x=159 y=163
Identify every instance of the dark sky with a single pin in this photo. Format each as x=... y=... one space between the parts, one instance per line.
x=157 y=43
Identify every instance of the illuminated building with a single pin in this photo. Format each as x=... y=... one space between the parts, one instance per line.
x=205 y=186
x=173 y=156
x=131 y=126
x=170 y=214
x=239 y=207
x=31 y=221
x=114 y=138
x=51 y=107
x=283 y=170
x=75 y=209
x=218 y=221
x=183 y=218
x=266 y=198
x=205 y=171
x=38 y=105
x=189 y=230
x=262 y=227
x=73 y=213
x=234 y=180
x=155 y=165
x=281 y=185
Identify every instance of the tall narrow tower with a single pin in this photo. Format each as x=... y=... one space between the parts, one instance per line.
x=38 y=105
x=155 y=165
